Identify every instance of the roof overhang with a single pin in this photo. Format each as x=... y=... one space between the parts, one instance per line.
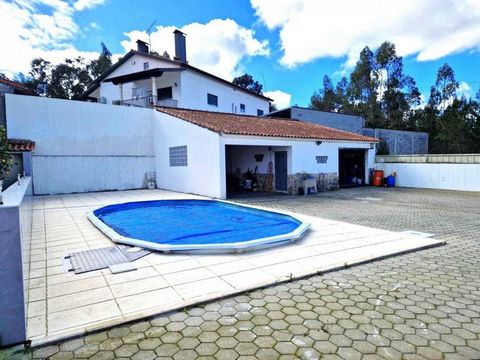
x=140 y=75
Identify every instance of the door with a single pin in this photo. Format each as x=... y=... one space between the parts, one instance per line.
x=281 y=170
x=351 y=167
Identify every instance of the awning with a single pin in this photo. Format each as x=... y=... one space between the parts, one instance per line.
x=141 y=75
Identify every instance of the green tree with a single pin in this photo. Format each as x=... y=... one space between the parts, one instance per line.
x=246 y=81
x=445 y=89
x=69 y=79
x=363 y=90
x=324 y=99
x=398 y=92
x=98 y=66
x=5 y=157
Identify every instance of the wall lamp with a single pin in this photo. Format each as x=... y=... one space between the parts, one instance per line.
x=318 y=142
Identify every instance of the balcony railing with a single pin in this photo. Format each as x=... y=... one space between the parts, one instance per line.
x=146 y=102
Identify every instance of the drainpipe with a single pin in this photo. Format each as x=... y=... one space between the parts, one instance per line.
x=154 y=90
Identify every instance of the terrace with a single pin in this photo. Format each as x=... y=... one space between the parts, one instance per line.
x=62 y=304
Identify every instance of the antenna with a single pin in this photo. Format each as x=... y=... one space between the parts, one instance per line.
x=149 y=31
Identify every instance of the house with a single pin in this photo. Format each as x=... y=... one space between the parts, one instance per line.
x=398 y=142
x=8 y=86
x=108 y=147
x=19 y=149
x=143 y=79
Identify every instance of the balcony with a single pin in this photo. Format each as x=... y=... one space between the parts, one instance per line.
x=146 y=102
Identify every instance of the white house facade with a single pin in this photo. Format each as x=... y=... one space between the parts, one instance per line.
x=142 y=79
x=82 y=146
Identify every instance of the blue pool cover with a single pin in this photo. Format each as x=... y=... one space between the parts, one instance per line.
x=182 y=222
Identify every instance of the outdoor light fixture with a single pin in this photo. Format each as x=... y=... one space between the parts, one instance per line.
x=318 y=142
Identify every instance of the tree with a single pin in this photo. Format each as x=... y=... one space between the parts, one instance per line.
x=39 y=76
x=69 y=79
x=246 y=81
x=5 y=157
x=98 y=66
x=363 y=90
x=445 y=89
x=324 y=99
x=398 y=92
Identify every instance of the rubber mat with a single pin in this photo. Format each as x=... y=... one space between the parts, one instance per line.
x=97 y=259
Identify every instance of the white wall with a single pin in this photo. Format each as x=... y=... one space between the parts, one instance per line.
x=196 y=86
x=203 y=173
x=243 y=157
x=465 y=177
x=191 y=91
x=303 y=152
x=83 y=146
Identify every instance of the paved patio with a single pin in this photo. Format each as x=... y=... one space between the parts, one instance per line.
x=63 y=305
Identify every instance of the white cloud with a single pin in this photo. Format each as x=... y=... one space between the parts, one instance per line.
x=464 y=90
x=217 y=47
x=311 y=29
x=280 y=99
x=87 y=4
x=27 y=32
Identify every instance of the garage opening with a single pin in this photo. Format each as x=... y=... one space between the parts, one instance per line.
x=351 y=167
x=256 y=169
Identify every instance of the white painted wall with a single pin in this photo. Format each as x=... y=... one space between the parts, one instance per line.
x=203 y=173
x=465 y=177
x=191 y=90
x=243 y=157
x=196 y=86
x=83 y=146
x=303 y=152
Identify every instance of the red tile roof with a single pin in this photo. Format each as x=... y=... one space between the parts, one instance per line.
x=21 y=145
x=16 y=85
x=234 y=124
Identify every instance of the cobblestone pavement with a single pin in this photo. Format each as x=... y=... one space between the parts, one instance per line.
x=423 y=305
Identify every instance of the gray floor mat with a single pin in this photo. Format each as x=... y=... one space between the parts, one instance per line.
x=97 y=259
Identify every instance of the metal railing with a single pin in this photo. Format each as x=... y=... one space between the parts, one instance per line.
x=146 y=101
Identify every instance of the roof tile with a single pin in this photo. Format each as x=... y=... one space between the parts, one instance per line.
x=234 y=124
x=21 y=145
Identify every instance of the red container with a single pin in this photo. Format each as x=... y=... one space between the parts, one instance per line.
x=377 y=178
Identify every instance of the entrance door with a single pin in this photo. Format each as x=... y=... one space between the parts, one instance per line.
x=281 y=170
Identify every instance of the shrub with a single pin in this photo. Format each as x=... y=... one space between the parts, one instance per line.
x=5 y=157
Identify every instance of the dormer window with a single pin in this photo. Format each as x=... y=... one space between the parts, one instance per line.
x=146 y=65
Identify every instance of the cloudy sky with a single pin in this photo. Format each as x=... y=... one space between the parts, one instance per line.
x=287 y=45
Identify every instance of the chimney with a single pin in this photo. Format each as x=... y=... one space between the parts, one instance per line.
x=142 y=47
x=180 y=47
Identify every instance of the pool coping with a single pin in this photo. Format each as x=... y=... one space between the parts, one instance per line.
x=221 y=248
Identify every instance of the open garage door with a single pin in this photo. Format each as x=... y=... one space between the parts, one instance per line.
x=351 y=167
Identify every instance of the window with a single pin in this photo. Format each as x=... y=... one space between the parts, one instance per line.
x=321 y=159
x=259 y=112
x=146 y=65
x=178 y=156
x=242 y=108
x=164 y=93
x=212 y=99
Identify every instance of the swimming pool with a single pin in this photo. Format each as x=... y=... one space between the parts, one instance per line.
x=196 y=225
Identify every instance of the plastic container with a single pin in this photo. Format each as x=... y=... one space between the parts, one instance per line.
x=390 y=181
x=377 y=177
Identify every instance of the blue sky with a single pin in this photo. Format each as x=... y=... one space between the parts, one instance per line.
x=288 y=45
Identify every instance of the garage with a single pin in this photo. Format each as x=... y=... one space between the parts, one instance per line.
x=352 y=167
x=256 y=169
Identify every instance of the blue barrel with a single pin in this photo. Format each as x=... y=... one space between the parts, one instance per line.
x=390 y=181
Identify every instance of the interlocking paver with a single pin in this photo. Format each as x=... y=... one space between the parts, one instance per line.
x=422 y=305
